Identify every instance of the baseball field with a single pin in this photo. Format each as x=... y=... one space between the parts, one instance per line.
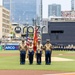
x=62 y=62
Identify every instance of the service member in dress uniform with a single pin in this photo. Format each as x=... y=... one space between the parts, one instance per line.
x=23 y=49
x=39 y=52
x=48 y=51
x=30 y=53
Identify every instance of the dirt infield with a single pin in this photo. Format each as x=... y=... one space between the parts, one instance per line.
x=32 y=72
x=61 y=74
x=26 y=72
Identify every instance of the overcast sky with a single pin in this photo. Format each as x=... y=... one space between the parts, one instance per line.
x=65 y=5
x=0 y=2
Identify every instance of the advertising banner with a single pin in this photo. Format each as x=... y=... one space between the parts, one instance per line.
x=12 y=47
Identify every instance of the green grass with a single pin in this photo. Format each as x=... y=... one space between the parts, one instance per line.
x=12 y=62
x=11 y=51
x=65 y=54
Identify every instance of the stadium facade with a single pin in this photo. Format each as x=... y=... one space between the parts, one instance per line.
x=62 y=33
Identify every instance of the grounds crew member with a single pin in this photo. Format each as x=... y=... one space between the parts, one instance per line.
x=48 y=50
x=39 y=52
x=22 y=52
x=30 y=53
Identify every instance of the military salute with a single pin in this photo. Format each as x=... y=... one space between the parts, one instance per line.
x=48 y=50
x=23 y=49
x=39 y=52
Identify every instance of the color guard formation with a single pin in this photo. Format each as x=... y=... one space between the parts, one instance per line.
x=29 y=50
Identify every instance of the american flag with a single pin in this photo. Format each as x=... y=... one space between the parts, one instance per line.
x=27 y=41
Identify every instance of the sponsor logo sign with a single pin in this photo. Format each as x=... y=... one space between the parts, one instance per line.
x=18 y=29
x=12 y=47
x=30 y=29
